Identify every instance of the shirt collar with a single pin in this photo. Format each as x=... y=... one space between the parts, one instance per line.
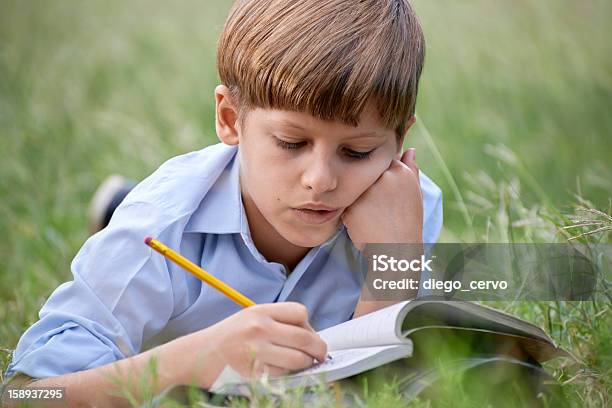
x=220 y=212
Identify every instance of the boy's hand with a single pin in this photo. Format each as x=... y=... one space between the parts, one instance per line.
x=391 y=209
x=274 y=338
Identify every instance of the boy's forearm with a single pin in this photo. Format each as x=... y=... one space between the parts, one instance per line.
x=114 y=384
x=84 y=388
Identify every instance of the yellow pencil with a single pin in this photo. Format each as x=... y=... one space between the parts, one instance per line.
x=199 y=272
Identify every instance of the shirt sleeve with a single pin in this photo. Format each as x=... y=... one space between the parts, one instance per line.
x=119 y=296
x=432 y=209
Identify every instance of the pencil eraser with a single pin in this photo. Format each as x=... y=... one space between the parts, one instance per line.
x=147 y=240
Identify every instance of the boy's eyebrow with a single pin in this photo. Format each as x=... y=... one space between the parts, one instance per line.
x=302 y=129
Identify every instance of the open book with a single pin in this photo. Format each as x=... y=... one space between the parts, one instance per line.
x=384 y=336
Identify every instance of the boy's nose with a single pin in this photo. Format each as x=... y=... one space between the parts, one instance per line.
x=319 y=176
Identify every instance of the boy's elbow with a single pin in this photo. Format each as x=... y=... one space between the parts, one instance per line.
x=14 y=382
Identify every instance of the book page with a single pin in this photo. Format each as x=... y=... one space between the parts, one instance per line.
x=344 y=358
x=374 y=329
x=340 y=364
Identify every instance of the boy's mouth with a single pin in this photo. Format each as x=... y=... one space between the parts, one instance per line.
x=316 y=213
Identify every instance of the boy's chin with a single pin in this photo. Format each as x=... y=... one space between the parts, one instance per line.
x=308 y=239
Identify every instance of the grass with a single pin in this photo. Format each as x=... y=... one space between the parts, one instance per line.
x=513 y=124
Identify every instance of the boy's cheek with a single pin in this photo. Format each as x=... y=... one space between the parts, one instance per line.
x=368 y=194
x=364 y=190
x=348 y=207
x=358 y=197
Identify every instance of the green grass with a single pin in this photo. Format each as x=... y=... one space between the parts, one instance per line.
x=513 y=113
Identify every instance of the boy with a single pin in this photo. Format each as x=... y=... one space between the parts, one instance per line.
x=315 y=101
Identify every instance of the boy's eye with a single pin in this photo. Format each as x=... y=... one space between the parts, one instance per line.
x=288 y=145
x=351 y=154
x=358 y=155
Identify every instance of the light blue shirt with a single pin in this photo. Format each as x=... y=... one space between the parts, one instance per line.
x=126 y=298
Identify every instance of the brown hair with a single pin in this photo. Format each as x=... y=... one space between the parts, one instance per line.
x=327 y=58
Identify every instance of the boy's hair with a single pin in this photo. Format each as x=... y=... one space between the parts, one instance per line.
x=327 y=58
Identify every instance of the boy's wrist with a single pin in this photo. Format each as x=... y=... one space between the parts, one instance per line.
x=185 y=362
x=406 y=236
x=169 y=365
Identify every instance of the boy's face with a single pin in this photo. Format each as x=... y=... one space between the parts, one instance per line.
x=299 y=173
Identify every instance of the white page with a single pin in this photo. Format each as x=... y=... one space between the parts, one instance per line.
x=342 y=358
x=343 y=363
x=374 y=329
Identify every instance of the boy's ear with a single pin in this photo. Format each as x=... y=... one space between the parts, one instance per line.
x=226 y=115
x=407 y=126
